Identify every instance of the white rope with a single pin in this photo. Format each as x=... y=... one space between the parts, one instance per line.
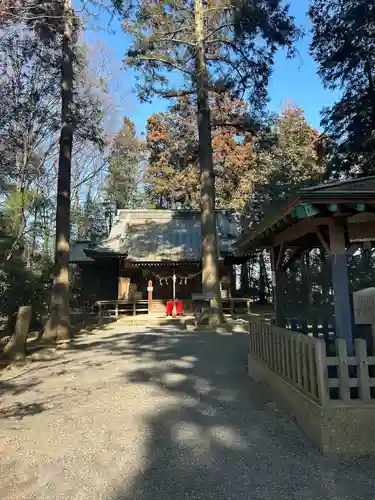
x=181 y=278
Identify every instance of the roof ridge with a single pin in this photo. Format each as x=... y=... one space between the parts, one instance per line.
x=336 y=183
x=163 y=210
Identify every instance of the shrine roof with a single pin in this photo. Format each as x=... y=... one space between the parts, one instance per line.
x=356 y=195
x=158 y=236
x=77 y=251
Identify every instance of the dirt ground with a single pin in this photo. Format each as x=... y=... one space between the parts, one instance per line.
x=148 y=414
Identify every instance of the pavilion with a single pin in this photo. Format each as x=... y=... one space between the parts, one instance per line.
x=338 y=217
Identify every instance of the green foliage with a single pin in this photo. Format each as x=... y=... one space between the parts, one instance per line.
x=286 y=158
x=22 y=286
x=124 y=168
x=343 y=46
x=241 y=39
x=19 y=284
x=17 y=201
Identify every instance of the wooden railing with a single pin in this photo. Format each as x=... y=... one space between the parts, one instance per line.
x=352 y=372
x=303 y=362
x=290 y=354
x=110 y=308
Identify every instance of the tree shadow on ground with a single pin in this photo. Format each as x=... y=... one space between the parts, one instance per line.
x=8 y=387
x=210 y=432
x=18 y=411
x=218 y=437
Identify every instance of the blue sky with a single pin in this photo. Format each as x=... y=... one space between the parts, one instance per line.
x=293 y=80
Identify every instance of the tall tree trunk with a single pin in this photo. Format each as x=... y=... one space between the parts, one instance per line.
x=57 y=327
x=210 y=261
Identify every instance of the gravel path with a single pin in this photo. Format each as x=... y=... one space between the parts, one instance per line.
x=137 y=414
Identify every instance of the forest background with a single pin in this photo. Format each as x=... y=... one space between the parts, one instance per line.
x=286 y=93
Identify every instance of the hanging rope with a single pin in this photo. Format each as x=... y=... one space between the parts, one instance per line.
x=181 y=278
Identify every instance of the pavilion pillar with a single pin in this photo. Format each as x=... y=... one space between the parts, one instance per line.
x=150 y=290
x=279 y=295
x=229 y=278
x=340 y=281
x=279 y=285
x=233 y=280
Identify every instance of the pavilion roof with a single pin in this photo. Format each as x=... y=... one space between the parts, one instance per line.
x=356 y=195
x=158 y=236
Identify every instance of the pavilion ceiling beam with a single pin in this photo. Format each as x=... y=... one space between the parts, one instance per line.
x=323 y=210
x=300 y=229
x=335 y=209
x=342 y=208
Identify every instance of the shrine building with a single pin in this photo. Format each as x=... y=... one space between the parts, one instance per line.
x=156 y=251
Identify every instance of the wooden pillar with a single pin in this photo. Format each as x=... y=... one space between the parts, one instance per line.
x=340 y=283
x=233 y=279
x=150 y=289
x=119 y=282
x=279 y=297
x=305 y=285
x=230 y=277
x=279 y=282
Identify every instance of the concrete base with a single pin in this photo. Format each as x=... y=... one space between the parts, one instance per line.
x=338 y=429
x=151 y=320
x=230 y=326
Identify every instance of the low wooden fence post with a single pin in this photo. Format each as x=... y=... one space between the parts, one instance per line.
x=293 y=361
x=321 y=371
x=312 y=369
x=100 y=313
x=362 y=370
x=343 y=369
x=250 y=339
x=305 y=368
x=275 y=350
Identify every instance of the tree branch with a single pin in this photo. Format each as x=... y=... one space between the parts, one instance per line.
x=168 y=63
x=177 y=41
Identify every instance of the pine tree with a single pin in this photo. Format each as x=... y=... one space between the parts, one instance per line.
x=343 y=46
x=286 y=158
x=124 y=167
x=212 y=45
